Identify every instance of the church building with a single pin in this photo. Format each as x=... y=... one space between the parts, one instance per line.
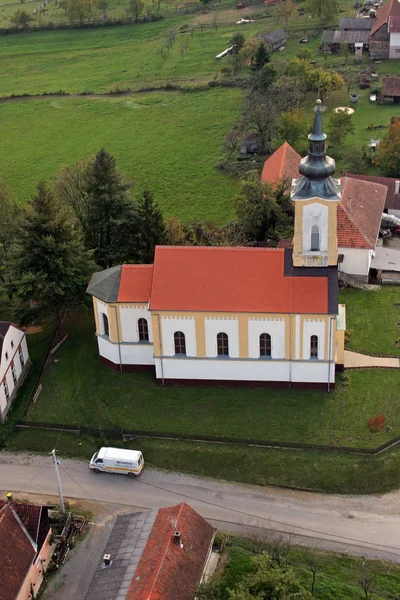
x=235 y=315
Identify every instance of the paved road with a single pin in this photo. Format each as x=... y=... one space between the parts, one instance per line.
x=366 y=525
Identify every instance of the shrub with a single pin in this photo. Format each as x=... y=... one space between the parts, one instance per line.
x=377 y=423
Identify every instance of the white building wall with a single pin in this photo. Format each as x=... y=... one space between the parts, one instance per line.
x=356 y=261
x=131 y=354
x=315 y=214
x=244 y=370
x=170 y=325
x=313 y=326
x=216 y=325
x=394 y=50
x=16 y=336
x=393 y=211
x=276 y=329
x=129 y=316
x=103 y=308
x=297 y=338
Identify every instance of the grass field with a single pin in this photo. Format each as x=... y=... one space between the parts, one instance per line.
x=169 y=141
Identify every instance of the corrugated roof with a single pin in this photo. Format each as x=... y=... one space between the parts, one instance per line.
x=354 y=23
x=232 y=279
x=391 y=87
x=167 y=570
x=359 y=213
x=17 y=553
x=283 y=163
x=337 y=36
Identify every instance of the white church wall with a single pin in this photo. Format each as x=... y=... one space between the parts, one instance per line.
x=356 y=261
x=297 y=338
x=108 y=350
x=216 y=325
x=129 y=316
x=275 y=327
x=222 y=369
x=131 y=354
x=315 y=214
x=313 y=371
x=170 y=325
x=313 y=326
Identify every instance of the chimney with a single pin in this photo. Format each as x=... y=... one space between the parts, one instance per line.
x=397 y=187
x=9 y=497
x=107 y=560
x=177 y=538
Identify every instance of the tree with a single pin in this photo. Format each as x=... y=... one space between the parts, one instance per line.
x=21 y=19
x=323 y=81
x=292 y=125
x=80 y=10
x=284 y=10
x=339 y=126
x=304 y=54
x=367 y=581
x=389 y=151
x=345 y=51
x=151 y=227
x=260 y=58
x=52 y=268
x=325 y=10
x=257 y=212
x=261 y=114
x=237 y=42
x=288 y=92
x=135 y=8
x=249 y=48
x=265 y=78
x=9 y=216
x=314 y=564
x=102 y=6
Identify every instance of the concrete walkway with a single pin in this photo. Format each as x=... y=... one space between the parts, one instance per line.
x=354 y=360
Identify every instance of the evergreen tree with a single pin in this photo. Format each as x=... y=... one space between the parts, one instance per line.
x=151 y=226
x=9 y=214
x=261 y=57
x=111 y=219
x=52 y=268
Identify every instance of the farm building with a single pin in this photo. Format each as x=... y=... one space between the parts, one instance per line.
x=354 y=24
x=335 y=38
x=391 y=89
x=275 y=39
x=385 y=34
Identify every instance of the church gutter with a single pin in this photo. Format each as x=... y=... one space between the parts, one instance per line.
x=330 y=354
x=119 y=341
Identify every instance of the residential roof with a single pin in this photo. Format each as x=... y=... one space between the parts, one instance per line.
x=125 y=283
x=168 y=570
x=30 y=515
x=354 y=23
x=392 y=7
x=330 y=36
x=4 y=327
x=283 y=163
x=17 y=553
x=232 y=279
x=146 y=562
x=392 y=199
x=394 y=24
x=391 y=86
x=274 y=37
x=359 y=213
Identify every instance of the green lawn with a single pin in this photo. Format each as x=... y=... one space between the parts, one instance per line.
x=97 y=396
x=373 y=320
x=167 y=140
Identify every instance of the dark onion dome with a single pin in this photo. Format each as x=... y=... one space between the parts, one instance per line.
x=316 y=168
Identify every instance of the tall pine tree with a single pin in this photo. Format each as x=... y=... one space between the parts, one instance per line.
x=52 y=267
x=261 y=57
x=9 y=214
x=151 y=226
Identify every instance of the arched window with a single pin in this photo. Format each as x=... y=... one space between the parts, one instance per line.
x=265 y=344
x=314 y=346
x=180 y=342
x=222 y=344
x=105 y=325
x=143 y=330
x=315 y=238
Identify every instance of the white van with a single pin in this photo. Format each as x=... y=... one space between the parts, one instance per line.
x=117 y=460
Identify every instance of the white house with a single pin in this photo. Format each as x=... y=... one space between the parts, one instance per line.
x=14 y=362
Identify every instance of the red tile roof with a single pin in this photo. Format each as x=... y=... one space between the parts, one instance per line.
x=359 y=213
x=392 y=7
x=285 y=243
x=135 y=283
x=17 y=553
x=392 y=199
x=29 y=515
x=232 y=279
x=394 y=24
x=283 y=163
x=391 y=86
x=166 y=570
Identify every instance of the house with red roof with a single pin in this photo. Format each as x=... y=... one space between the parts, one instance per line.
x=237 y=315
x=154 y=555
x=359 y=211
x=25 y=549
x=14 y=363
x=385 y=33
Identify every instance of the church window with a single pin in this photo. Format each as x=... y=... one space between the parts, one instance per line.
x=315 y=238
x=314 y=346
x=105 y=325
x=222 y=344
x=180 y=342
x=143 y=330
x=265 y=345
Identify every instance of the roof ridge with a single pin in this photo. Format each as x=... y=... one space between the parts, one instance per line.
x=220 y=248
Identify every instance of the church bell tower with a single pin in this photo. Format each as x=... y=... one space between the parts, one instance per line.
x=315 y=196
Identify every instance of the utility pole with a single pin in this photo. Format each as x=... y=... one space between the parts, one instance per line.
x=53 y=453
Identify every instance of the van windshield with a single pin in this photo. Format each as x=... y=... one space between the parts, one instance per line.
x=95 y=456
